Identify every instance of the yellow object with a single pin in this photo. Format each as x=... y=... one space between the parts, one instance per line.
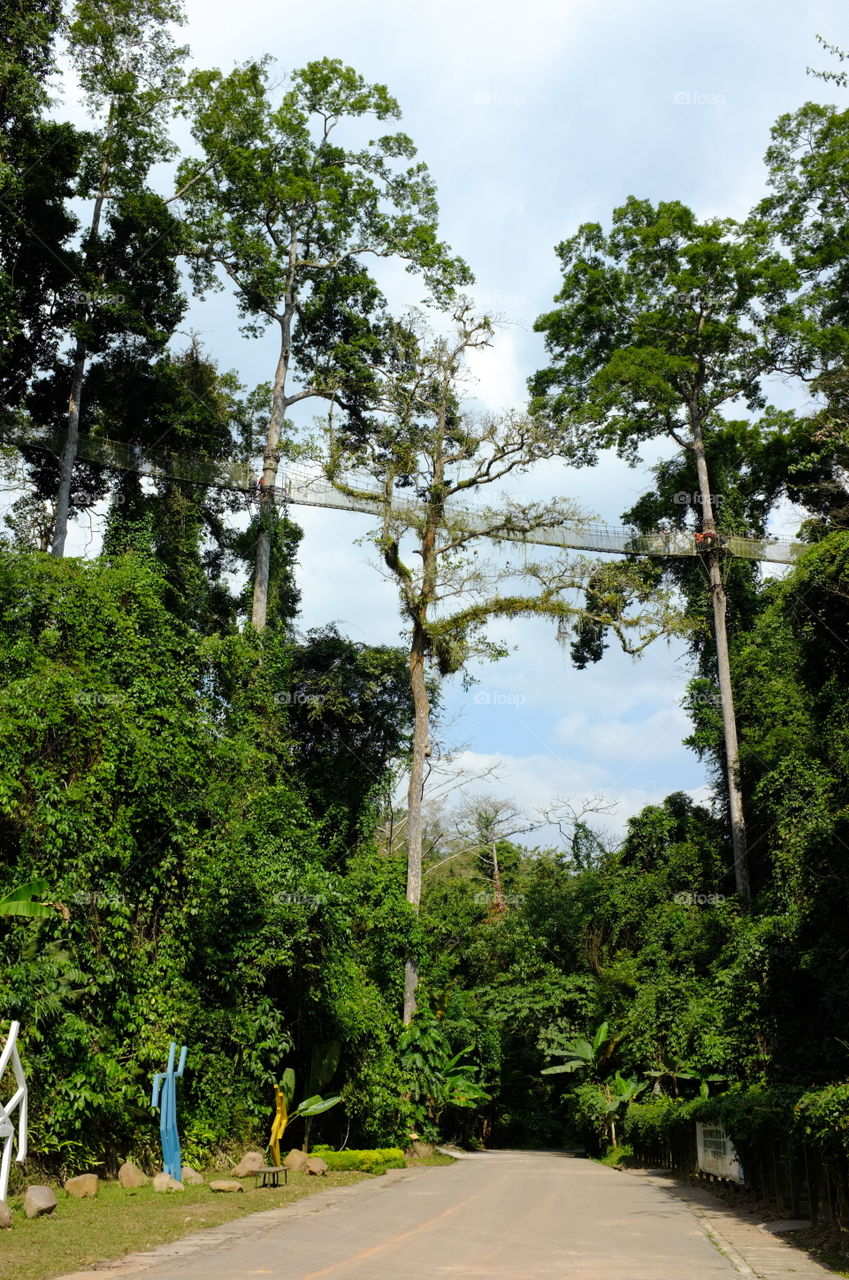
x=278 y=1127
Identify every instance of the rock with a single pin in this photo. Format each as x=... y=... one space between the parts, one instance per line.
x=190 y=1176
x=5 y=1215
x=251 y=1162
x=226 y=1184
x=296 y=1161
x=83 y=1187
x=130 y=1176
x=164 y=1182
x=317 y=1166
x=420 y=1150
x=39 y=1200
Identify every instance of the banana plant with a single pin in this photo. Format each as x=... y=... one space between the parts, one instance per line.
x=460 y=1087
x=582 y=1054
x=284 y=1093
x=682 y=1071
x=323 y=1065
x=22 y=901
x=619 y=1093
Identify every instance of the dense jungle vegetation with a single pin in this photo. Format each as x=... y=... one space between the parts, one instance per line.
x=207 y=790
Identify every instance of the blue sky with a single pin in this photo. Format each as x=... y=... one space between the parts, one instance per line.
x=534 y=118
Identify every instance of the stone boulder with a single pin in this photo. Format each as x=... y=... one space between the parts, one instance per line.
x=190 y=1177
x=420 y=1150
x=251 y=1162
x=164 y=1182
x=83 y=1187
x=39 y=1200
x=5 y=1215
x=226 y=1184
x=130 y=1176
x=296 y=1161
x=317 y=1167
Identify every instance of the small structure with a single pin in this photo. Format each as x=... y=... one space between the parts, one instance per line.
x=167 y=1082
x=278 y=1126
x=11 y=1057
x=716 y=1154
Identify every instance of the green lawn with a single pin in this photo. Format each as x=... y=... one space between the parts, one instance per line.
x=80 y=1233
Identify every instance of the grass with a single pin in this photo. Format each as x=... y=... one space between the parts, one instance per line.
x=438 y=1158
x=616 y=1156
x=80 y=1233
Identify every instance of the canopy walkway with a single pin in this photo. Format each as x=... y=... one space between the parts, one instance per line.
x=302 y=487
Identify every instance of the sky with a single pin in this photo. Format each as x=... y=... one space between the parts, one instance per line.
x=534 y=118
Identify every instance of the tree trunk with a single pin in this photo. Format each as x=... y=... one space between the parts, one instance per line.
x=69 y=453
x=726 y=691
x=270 y=463
x=421 y=735
x=498 y=901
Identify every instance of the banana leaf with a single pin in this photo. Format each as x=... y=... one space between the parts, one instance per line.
x=20 y=902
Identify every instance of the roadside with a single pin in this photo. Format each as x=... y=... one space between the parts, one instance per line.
x=82 y=1234
x=742 y=1234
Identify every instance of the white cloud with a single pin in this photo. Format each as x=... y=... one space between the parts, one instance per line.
x=500 y=381
x=653 y=738
x=533 y=782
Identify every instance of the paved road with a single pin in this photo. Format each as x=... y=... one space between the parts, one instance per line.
x=522 y=1215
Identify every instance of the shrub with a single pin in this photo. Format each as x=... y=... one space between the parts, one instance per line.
x=376 y=1161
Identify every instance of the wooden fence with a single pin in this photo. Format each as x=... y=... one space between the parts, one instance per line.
x=799 y=1180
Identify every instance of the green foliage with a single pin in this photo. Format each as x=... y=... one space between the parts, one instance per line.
x=23 y=901
x=143 y=778
x=437 y=1081
x=583 y=1055
x=660 y=319
x=617 y=1155
x=376 y=1161
x=307 y=1107
x=39 y=160
x=823 y=1116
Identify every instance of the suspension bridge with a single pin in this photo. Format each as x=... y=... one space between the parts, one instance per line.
x=301 y=486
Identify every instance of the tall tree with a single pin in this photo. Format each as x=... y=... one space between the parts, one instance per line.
x=38 y=162
x=289 y=213
x=130 y=71
x=662 y=322
x=807 y=170
x=184 y=400
x=423 y=455
x=808 y=173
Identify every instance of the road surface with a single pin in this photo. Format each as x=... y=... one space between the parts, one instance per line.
x=494 y=1215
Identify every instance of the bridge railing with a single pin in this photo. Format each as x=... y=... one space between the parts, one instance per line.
x=300 y=486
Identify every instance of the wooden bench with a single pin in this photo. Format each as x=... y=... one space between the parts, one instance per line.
x=270 y=1176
